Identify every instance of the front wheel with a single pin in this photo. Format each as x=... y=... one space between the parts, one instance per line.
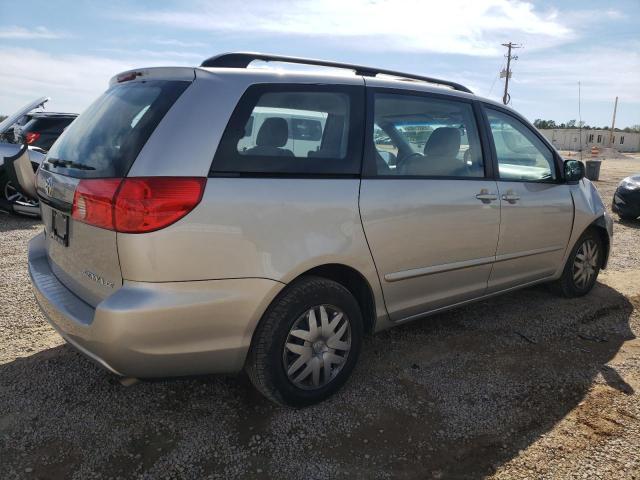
x=307 y=344
x=583 y=265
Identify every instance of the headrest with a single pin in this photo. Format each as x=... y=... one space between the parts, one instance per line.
x=511 y=140
x=273 y=132
x=444 y=141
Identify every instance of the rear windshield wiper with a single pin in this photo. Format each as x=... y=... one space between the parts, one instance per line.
x=56 y=162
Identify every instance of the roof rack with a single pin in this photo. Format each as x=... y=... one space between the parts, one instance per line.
x=243 y=59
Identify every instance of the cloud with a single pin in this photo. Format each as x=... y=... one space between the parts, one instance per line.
x=614 y=14
x=36 y=33
x=456 y=26
x=72 y=81
x=166 y=55
x=562 y=72
x=178 y=43
x=545 y=85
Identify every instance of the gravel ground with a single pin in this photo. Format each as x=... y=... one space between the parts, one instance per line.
x=526 y=385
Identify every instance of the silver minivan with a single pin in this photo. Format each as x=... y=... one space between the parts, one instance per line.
x=179 y=239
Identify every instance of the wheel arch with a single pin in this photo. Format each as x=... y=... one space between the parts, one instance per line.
x=351 y=279
x=355 y=282
x=599 y=225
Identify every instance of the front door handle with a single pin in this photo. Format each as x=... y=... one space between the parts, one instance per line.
x=511 y=197
x=486 y=197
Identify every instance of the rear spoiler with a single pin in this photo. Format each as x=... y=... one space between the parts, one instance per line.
x=154 y=73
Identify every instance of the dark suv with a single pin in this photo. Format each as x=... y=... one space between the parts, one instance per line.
x=44 y=128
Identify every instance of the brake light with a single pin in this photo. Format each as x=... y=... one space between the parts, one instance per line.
x=31 y=137
x=148 y=204
x=93 y=201
x=136 y=205
x=125 y=77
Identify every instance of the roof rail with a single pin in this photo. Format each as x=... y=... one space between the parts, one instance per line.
x=243 y=59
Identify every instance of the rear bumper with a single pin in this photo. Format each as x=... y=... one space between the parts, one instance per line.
x=156 y=329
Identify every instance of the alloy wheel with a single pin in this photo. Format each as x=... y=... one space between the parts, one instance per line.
x=585 y=263
x=12 y=195
x=317 y=347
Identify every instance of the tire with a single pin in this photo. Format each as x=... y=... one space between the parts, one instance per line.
x=627 y=218
x=573 y=283
x=269 y=359
x=4 y=179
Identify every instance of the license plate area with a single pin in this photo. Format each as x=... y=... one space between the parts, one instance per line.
x=60 y=227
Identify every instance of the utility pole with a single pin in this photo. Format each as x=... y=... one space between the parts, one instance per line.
x=580 y=117
x=506 y=74
x=613 y=122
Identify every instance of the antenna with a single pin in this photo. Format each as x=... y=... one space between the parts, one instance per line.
x=613 y=123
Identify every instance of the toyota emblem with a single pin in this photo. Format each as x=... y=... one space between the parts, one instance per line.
x=48 y=186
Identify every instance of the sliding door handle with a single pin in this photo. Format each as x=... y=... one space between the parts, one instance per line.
x=511 y=197
x=486 y=197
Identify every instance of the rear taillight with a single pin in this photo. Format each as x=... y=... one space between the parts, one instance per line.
x=136 y=205
x=31 y=137
x=93 y=201
x=147 y=204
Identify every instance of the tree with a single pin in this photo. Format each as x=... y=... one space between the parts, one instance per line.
x=544 y=124
x=571 y=124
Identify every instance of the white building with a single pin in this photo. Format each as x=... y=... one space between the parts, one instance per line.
x=569 y=139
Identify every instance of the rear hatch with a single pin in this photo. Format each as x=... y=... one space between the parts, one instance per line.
x=16 y=116
x=84 y=167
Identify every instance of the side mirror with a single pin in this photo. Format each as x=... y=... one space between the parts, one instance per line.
x=573 y=171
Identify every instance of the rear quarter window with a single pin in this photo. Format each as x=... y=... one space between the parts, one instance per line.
x=293 y=130
x=105 y=140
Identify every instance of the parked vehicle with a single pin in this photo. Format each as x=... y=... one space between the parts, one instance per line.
x=626 y=200
x=19 y=118
x=10 y=134
x=171 y=249
x=13 y=197
x=43 y=128
x=304 y=130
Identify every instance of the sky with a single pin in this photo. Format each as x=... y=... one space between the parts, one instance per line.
x=69 y=50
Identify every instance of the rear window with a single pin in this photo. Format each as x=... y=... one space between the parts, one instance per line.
x=293 y=130
x=42 y=124
x=106 y=139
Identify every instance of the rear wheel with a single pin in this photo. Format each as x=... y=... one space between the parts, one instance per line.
x=583 y=265
x=307 y=344
x=13 y=196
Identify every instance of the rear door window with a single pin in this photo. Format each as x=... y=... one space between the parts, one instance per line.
x=285 y=129
x=424 y=136
x=106 y=139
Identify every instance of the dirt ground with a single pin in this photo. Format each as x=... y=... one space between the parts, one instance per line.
x=527 y=385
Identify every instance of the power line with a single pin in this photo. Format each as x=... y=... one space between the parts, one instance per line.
x=495 y=79
x=506 y=74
